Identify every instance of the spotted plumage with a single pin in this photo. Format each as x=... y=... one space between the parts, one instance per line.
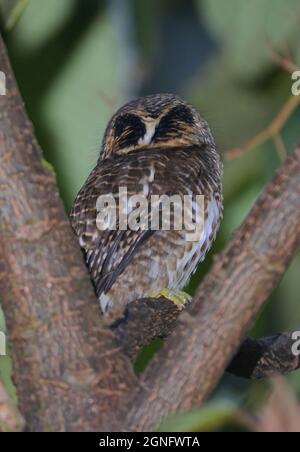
x=156 y=145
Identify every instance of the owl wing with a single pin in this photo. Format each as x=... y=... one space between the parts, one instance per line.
x=108 y=252
x=119 y=249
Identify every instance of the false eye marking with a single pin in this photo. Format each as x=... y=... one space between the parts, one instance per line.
x=181 y=114
x=129 y=122
x=128 y=129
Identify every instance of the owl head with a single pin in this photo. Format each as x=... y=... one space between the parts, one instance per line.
x=159 y=120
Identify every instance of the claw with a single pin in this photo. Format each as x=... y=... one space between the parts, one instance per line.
x=179 y=298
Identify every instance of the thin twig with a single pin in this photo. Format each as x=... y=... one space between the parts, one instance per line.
x=280 y=146
x=284 y=62
x=269 y=132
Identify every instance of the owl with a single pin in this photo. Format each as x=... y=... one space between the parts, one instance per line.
x=157 y=145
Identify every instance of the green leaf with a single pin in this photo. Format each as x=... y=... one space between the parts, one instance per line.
x=235 y=111
x=11 y=11
x=249 y=31
x=209 y=417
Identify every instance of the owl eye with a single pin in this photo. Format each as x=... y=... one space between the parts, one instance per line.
x=128 y=129
x=170 y=123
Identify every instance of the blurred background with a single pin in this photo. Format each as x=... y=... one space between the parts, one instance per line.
x=77 y=61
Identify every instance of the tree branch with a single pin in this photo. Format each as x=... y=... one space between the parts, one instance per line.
x=67 y=368
x=143 y=321
x=256 y=358
x=265 y=357
x=209 y=332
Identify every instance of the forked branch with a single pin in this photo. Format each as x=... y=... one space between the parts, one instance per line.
x=209 y=332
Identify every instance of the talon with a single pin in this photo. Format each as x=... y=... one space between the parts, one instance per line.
x=179 y=298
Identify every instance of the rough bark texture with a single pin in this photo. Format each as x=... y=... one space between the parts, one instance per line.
x=194 y=357
x=255 y=359
x=143 y=321
x=68 y=371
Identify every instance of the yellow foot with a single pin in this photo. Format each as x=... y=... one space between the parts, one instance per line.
x=179 y=298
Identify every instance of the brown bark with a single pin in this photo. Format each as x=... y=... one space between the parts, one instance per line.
x=67 y=368
x=255 y=359
x=265 y=357
x=143 y=321
x=194 y=357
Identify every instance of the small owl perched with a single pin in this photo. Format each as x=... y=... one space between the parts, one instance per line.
x=155 y=145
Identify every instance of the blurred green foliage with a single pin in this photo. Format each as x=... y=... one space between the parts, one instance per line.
x=77 y=61
x=11 y=11
x=211 y=417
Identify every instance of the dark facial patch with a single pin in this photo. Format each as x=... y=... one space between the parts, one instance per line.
x=128 y=129
x=170 y=123
x=180 y=113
